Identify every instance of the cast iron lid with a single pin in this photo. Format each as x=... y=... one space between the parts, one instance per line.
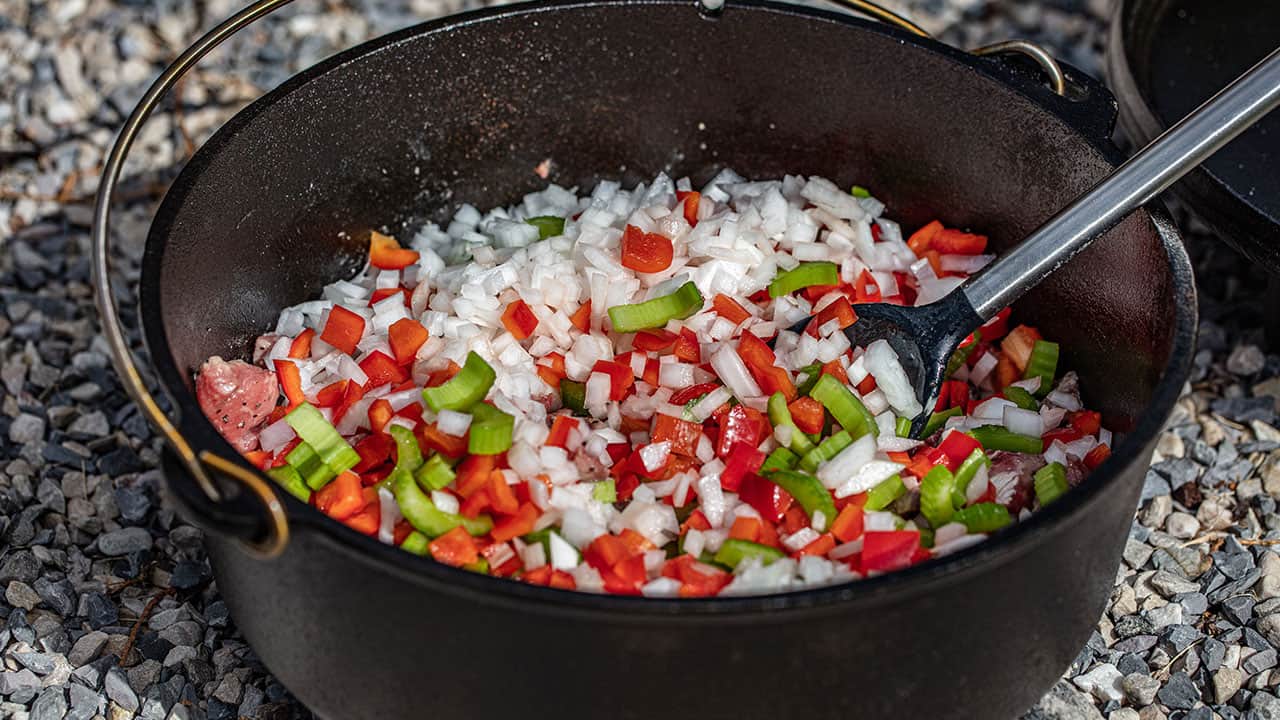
x=1165 y=57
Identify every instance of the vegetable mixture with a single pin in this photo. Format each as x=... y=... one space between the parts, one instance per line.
x=605 y=393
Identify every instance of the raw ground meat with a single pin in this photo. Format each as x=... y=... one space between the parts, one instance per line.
x=237 y=398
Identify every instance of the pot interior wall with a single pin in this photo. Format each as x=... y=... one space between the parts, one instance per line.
x=266 y=213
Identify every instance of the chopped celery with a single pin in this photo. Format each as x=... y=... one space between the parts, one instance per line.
x=962 y=353
x=491 y=430
x=416 y=543
x=860 y=192
x=1050 y=483
x=844 y=406
x=655 y=313
x=811 y=374
x=323 y=438
x=548 y=225
x=605 y=491
x=314 y=472
x=292 y=481
x=574 y=396
x=936 y=490
x=997 y=437
x=1021 y=398
x=902 y=427
x=424 y=516
x=463 y=390
x=825 y=450
x=983 y=517
x=779 y=414
x=733 y=551
x=408 y=454
x=966 y=472
x=939 y=419
x=882 y=495
x=780 y=459
x=804 y=275
x=812 y=495
x=1043 y=364
x=435 y=473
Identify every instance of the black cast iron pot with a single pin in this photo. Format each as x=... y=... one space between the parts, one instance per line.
x=403 y=128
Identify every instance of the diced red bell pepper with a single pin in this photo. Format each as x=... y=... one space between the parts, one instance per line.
x=331 y=395
x=621 y=378
x=472 y=506
x=651 y=368
x=473 y=474
x=690 y=198
x=836 y=370
x=867 y=385
x=957 y=446
x=746 y=528
x=456 y=548
x=682 y=434
x=956 y=242
x=807 y=414
x=848 y=524
x=814 y=293
x=1007 y=372
x=743 y=460
x=654 y=340
x=865 y=289
x=645 y=252
x=342 y=497
x=1096 y=456
x=406 y=335
x=367 y=521
x=560 y=428
x=521 y=523
x=888 y=550
x=443 y=375
x=839 y=310
x=343 y=329
x=1063 y=435
x=605 y=551
x=696 y=521
x=300 y=348
x=501 y=496
x=581 y=318
x=697 y=579
x=381 y=369
x=430 y=437
x=768 y=499
x=380 y=413
x=825 y=543
x=684 y=395
x=924 y=461
x=1088 y=422
x=290 y=382
x=380 y=294
x=374 y=450
x=386 y=254
x=921 y=240
x=741 y=426
x=1017 y=345
x=759 y=359
x=996 y=327
x=686 y=347
x=729 y=309
x=794 y=519
x=755 y=353
x=352 y=395
x=519 y=320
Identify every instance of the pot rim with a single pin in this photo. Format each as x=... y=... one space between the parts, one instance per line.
x=998 y=549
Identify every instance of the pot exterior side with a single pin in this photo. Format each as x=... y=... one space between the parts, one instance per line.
x=356 y=642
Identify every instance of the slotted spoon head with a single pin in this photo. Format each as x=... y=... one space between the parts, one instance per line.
x=923 y=337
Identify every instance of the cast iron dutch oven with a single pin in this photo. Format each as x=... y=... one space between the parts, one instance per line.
x=403 y=128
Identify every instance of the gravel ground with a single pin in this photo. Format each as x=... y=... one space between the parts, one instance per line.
x=109 y=605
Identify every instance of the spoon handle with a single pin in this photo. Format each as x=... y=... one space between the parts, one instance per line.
x=1166 y=159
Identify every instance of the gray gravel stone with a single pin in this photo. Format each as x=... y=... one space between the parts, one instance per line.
x=1140 y=688
x=1179 y=693
x=119 y=691
x=1226 y=682
x=124 y=541
x=1064 y=702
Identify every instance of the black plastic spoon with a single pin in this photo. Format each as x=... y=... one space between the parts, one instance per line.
x=925 y=337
